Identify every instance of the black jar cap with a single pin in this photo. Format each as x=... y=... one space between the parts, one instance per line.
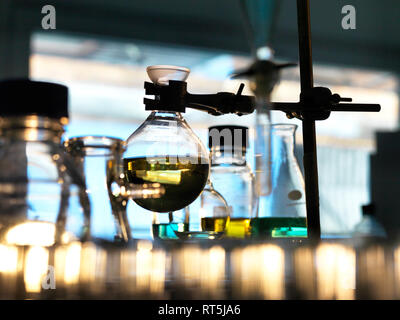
x=235 y=143
x=368 y=209
x=22 y=97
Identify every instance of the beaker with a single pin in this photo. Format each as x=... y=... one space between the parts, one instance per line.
x=99 y=159
x=284 y=209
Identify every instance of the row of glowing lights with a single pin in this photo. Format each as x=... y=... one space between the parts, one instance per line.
x=327 y=272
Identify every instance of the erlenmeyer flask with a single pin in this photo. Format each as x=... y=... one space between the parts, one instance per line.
x=284 y=210
x=164 y=149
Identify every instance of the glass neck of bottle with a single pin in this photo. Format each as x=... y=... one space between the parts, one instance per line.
x=235 y=156
x=33 y=128
x=283 y=141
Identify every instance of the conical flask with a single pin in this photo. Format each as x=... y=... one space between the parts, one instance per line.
x=165 y=150
x=283 y=211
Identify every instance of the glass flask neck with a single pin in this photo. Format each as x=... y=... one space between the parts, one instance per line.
x=235 y=156
x=33 y=128
x=283 y=134
x=166 y=114
x=164 y=119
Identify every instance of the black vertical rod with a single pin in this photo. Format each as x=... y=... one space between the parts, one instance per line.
x=305 y=53
x=309 y=136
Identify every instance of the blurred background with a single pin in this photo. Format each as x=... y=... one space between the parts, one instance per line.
x=100 y=49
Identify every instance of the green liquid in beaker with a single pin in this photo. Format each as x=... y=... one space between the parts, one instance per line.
x=166 y=231
x=271 y=227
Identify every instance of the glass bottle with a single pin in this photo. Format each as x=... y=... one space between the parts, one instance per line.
x=233 y=177
x=164 y=149
x=42 y=195
x=284 y=209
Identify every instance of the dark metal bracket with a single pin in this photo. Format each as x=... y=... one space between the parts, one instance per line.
x=174 y=97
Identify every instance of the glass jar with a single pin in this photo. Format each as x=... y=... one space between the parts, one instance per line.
x=283 y=211
x=232 y=176
x=42 y=195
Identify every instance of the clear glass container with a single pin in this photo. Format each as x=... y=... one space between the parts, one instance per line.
x=165 y=150
x=209 y=216
x=42 y=195
x=99 y=159
x=214 y=213
x=232 y=177
x=262 y=148
x=283 y=211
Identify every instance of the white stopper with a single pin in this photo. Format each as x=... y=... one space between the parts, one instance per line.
x=161 y=74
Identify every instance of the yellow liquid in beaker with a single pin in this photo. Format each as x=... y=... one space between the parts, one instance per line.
x=238 y=228
x=217 y=224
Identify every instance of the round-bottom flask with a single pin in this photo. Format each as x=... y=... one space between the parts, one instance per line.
x=165 y=150
x=209 y=216
x=206 y=218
